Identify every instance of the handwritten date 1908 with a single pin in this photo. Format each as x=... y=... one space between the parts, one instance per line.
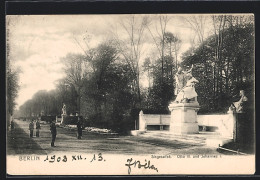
x=138 y=164
x=55 y=158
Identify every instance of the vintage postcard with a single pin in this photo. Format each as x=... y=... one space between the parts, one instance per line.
x=137 y=94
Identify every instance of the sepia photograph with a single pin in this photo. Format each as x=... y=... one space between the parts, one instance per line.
x=130 y=94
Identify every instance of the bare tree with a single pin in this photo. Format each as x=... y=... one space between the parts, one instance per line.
x=159 y=36
x=219 y=23
x=174 y=43
x=147 y=66
x=76 y=70
x=130 y=46
x=84 y=43
x=198 y=25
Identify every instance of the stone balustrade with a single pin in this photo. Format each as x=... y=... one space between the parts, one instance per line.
x=222 y=123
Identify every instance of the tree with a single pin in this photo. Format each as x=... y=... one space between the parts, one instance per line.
x=147 y=67
x=160 y=39
x=165 y=65
x=105 y=55
x=157 y=99
x=131 y=48
x=42 y=103
x=12 y=88
x=108 y=96
x=197 y=24
x=228 y=55
x=12 y=77
x=76 y=70
x=173 y=43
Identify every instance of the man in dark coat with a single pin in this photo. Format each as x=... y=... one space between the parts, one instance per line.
x=31 y=127
x=79 y=126
x=12 y=124
x=38 y=127
x=53 y=132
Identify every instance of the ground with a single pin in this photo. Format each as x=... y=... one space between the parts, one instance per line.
x=19 y=142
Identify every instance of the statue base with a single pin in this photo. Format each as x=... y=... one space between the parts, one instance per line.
x=184 y=118
x=62 y=118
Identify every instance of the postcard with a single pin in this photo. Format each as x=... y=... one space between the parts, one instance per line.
x=130 y=94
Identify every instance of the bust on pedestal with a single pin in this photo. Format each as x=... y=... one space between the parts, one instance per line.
x=185 y=107
x=243 y=132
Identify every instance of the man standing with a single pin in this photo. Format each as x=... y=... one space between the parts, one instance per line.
x=79 y=126
x=12 y=124
x=31 y=127
x=53 y=132
x=38 y=127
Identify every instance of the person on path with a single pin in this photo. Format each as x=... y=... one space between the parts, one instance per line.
x=31 y=127
x=53 y=132
x=38 y=127
x=79 y=126
x=12 y=124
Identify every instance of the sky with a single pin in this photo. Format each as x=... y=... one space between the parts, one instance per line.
x=38 y=42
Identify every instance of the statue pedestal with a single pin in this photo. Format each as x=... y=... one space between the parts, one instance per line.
x=62 y=118
x=184 y=118
x=243 y=132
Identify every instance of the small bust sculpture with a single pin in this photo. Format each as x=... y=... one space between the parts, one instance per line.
x=239 y=105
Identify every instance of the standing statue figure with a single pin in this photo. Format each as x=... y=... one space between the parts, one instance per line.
x=185 y=85
x=239 y=105
x=64 y=109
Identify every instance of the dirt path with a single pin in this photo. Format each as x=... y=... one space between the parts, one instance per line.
x=19 y=142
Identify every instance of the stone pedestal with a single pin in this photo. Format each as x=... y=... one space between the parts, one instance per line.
x=62 y=118
x=142 y=123
x=243 y=128
x=184 y=118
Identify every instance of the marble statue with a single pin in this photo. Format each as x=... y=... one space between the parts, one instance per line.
x=64 y=109
x=185 y=86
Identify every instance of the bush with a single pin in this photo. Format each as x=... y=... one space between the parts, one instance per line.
x=72 y=120
x=48 y=119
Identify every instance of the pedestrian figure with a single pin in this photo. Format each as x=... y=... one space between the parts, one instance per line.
x=12 y=124
x=38 y=127
x=53 y=132
x=31 y=127
x=79 y=126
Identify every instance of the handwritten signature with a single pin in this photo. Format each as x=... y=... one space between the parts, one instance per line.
x=138 y=164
